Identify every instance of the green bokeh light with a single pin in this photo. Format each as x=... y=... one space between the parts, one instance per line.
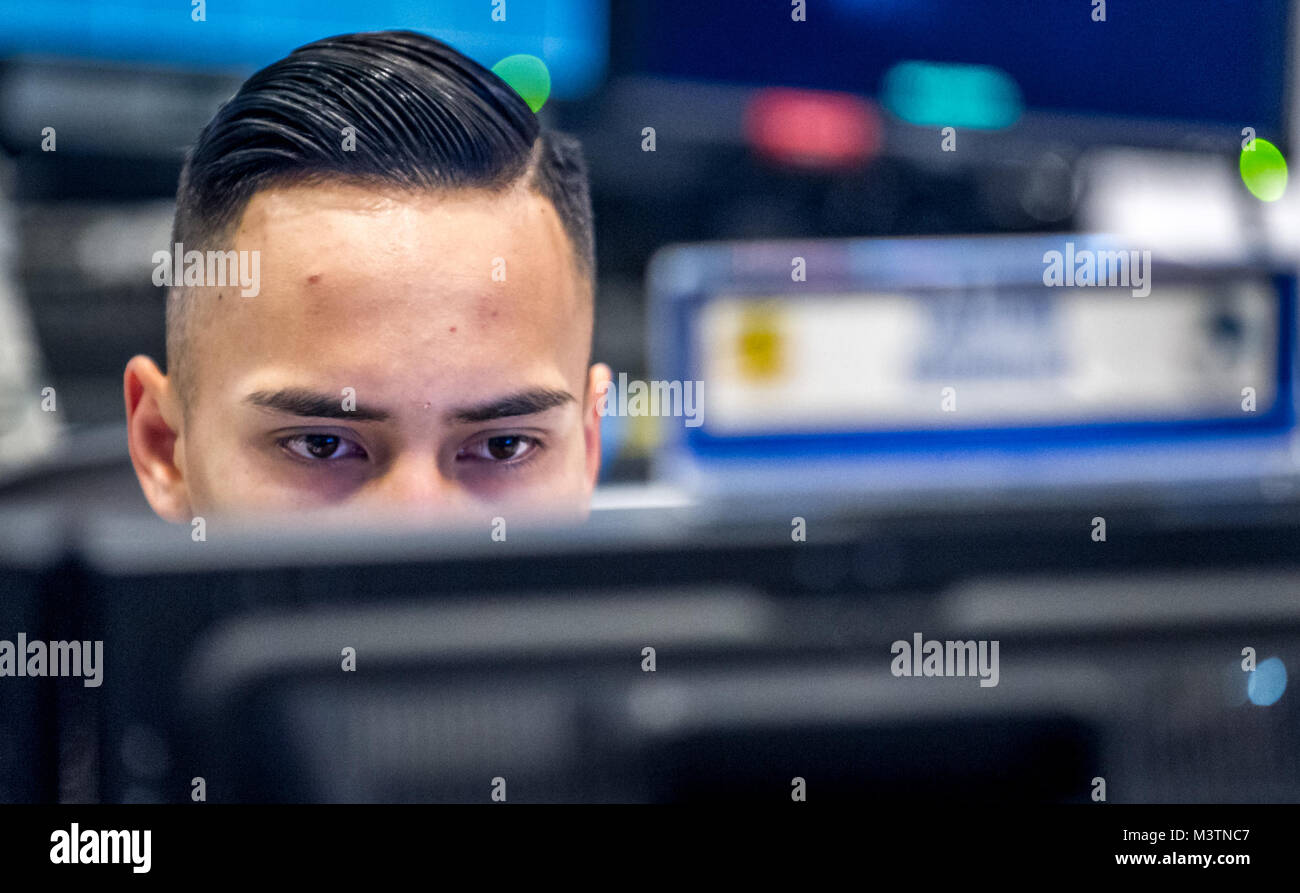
x=1264 y=171
x=528 y=76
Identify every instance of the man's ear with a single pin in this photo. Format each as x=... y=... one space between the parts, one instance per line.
x=152 y=426
x=598 y=381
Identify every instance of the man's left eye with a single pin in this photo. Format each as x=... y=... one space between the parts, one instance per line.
x=501 y=448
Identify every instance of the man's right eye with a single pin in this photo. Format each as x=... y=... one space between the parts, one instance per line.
x=322 y=447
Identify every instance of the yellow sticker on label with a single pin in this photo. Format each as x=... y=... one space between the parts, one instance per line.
x=761 y=343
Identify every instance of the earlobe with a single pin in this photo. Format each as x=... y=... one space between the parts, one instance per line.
x=598 y=380
x=151 y=438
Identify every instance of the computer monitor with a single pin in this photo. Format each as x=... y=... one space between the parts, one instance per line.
x=921 y=368
x=1188 y=64
x=37 y=590
x=240 y=37
x=707 y=654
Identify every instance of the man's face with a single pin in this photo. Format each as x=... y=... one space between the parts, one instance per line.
x=383 y=365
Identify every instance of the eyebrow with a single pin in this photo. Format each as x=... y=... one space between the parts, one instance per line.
x=522 y=403
x=310 y=404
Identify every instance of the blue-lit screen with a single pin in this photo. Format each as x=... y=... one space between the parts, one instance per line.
x=1202 y=61
x=241 y=35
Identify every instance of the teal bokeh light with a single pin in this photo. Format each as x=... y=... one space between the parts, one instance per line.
x=932 y=94
x=1267 y=683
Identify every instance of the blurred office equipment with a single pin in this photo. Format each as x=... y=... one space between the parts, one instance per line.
x=766 y=128
x=32 y=589
x=225 y=660
x=950 y=366
x=27 y=430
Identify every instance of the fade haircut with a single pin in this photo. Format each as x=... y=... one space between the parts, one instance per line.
x=425 y=118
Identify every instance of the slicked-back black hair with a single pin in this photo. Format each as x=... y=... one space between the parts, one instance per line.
x=425 y=117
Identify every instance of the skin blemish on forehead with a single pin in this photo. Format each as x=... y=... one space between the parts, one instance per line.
x=313 y=279
x=452 y=329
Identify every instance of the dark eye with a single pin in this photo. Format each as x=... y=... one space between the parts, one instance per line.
x=503 y=448
x=321 y=447
x=500 y=448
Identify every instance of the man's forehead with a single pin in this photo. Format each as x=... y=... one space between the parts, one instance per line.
x=411 y=284
x=470 y=236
